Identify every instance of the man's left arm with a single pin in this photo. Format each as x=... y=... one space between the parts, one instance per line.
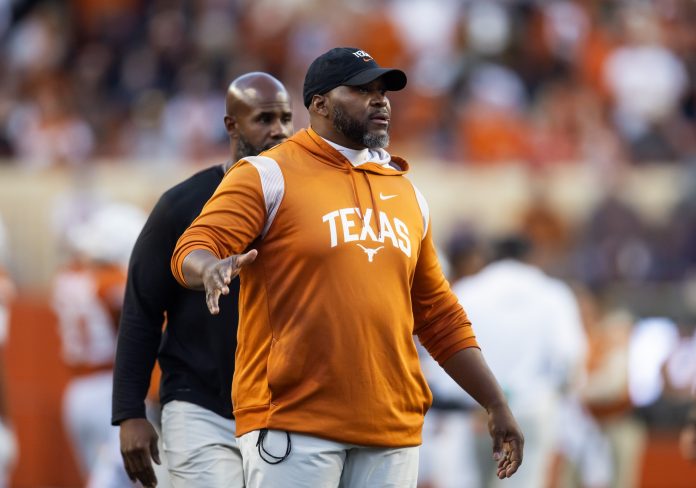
x=469 y=369
x=445 y=331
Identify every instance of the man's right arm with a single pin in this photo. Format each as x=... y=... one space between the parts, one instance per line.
x=202 y=270
x=194 y=266
x=148 y=290
x=230 y=221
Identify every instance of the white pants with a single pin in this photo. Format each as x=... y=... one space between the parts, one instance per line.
x=86 y=414
x=584 y=444
x=448 y=455
x=200 y=447
x=108 y=470
x=458 y=450
x=87 y=417
x=8 y=454
x=313 y=462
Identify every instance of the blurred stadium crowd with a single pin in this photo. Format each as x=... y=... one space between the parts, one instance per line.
x=601 y=84
x=539 y=82
x=607 y=87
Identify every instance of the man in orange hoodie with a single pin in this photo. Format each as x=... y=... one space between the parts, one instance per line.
x=327 y=386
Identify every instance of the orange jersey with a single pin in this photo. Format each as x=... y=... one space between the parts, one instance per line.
x=87 y=300
x=346 y=274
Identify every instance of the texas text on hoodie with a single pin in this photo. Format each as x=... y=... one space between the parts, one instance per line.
x=346 y=273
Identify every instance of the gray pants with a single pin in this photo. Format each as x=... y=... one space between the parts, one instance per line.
x=320 y=463
x=200 y=447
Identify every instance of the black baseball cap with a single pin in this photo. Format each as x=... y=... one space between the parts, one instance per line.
x=347 y=66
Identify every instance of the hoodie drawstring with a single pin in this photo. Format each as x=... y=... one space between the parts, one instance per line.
x=375 y=208
x=356 y=197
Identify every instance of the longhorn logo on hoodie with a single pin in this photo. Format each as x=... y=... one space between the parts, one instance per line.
x=345 y=225
x=370 y=252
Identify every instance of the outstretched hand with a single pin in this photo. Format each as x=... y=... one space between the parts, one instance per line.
x=508 y=441
x=138 y=445
x=218 y=276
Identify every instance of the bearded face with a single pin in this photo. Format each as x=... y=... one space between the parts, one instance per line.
x=246 y=148
x=358 y=130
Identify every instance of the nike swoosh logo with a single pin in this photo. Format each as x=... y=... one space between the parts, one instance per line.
x=386 y=197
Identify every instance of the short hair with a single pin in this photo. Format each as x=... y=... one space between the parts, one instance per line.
x=512 y=247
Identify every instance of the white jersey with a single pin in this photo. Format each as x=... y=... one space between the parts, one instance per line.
x=528 y=326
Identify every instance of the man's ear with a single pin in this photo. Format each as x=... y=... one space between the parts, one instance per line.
x=320 y=105
x=231 y=125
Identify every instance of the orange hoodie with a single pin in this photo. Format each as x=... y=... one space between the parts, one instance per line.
x=329 y=306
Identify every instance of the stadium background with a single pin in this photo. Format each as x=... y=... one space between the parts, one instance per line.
x=573 y=121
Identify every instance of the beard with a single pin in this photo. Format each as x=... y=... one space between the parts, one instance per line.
x=357 y=131
x=245 y=148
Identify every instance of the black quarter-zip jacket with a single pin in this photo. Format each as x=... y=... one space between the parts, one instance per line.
x=196 y=349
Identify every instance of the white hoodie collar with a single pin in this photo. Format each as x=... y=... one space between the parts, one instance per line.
x=362 y=156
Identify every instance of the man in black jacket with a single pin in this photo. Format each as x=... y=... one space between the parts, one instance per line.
x=195 y=349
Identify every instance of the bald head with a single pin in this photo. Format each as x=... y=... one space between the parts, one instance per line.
x=258 y=116
x=256 y=88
